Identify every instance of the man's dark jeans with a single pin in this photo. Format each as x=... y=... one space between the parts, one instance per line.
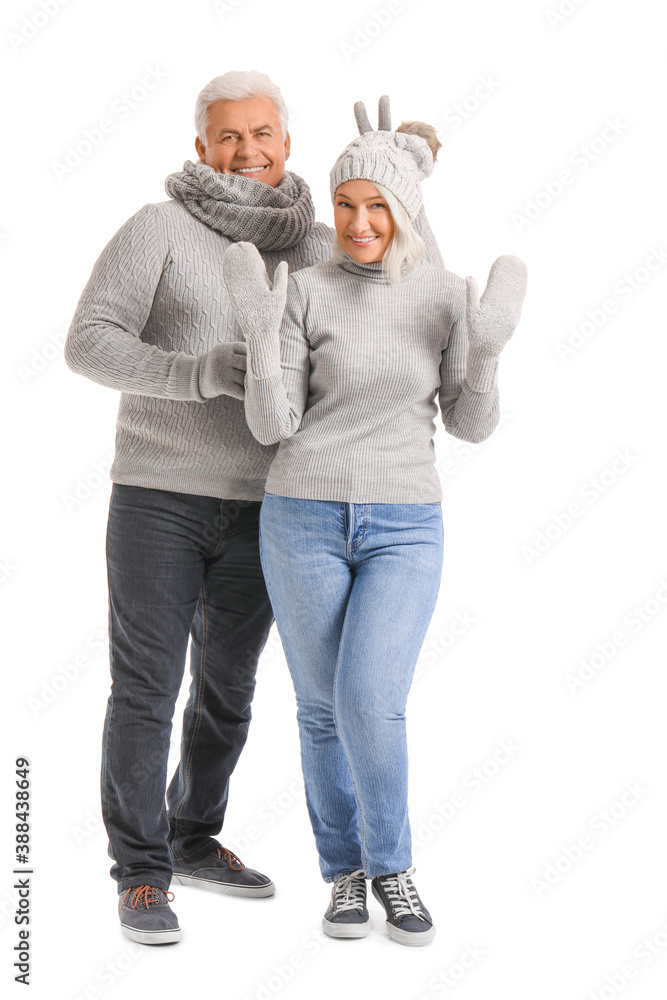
x=178 y=566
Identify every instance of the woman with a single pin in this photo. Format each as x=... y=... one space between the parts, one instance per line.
x=344 y=362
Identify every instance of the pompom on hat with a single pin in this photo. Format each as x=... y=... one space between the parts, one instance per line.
x=397 y=160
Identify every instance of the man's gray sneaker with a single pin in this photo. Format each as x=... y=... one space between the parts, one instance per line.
x=146 y=916
x=222 y=871
x=347 y=916
x=408 y=920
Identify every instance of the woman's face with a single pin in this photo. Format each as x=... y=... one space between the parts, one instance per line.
x=363 y=222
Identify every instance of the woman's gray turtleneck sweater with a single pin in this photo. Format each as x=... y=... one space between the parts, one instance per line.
x=351 y=394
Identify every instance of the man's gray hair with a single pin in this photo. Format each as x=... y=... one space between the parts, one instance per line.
x=237 y=85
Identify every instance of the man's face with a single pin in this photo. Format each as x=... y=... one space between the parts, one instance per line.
x=244 y=138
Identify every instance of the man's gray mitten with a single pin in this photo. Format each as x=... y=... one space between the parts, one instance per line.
x=222 y=370
x=492 y=319
x=258 y=305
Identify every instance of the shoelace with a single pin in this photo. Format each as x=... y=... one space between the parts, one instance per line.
x=144 y=895
x=402 y=895
x=349 y=891
x=230 y=857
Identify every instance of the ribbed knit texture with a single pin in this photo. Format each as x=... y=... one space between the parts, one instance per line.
x=155 y=303
x=362 y=362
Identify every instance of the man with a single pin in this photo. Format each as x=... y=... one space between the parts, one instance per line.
x=155 y=322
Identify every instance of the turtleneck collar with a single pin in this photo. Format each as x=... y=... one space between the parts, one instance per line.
x=373 y=271
x=273 y=218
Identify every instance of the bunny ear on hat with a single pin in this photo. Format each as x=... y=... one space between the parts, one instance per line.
x=397 y=160
x=384 y=116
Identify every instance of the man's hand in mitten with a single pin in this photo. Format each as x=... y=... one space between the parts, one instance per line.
x=223 y=370
x=492 y=319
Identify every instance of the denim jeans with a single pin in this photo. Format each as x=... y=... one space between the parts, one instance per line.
x=353 y=588
x=179 y=566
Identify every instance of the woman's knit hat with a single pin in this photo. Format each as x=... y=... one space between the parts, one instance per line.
x=397 y=160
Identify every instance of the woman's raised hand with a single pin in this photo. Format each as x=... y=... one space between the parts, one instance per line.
x=491 y=320
x=258 y=304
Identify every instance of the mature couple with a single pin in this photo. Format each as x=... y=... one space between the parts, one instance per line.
x=274 y=455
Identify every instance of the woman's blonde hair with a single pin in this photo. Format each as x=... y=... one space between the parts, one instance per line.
x=407 y=246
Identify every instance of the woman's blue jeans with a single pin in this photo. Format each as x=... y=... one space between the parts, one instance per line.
x=353 y=588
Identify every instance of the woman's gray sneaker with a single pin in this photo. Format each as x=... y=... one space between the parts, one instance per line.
x=222 y=871
x=347 y=916
x=146 y=916
x=408 y=920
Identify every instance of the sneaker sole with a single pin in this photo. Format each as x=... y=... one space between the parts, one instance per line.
x=226 y=888
x=345 y=930
x=414 y=939
x=170 y=936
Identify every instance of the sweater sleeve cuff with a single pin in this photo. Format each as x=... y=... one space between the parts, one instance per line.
x=481 y=371
x=263 y=354
x=184 y=378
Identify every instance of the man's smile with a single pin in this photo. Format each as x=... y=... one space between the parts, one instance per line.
x=250 y=170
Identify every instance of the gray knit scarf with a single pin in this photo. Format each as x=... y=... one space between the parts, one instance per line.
x=272 y=218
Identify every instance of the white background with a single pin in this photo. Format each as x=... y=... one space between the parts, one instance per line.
x=483 y=863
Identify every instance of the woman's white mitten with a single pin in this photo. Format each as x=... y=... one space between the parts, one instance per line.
x=258 y=304
x=491 y=320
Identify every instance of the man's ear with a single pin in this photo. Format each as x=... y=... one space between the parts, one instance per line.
x=288 y=143
x=201 y=149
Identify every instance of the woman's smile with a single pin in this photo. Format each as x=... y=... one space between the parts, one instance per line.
x=364 y=224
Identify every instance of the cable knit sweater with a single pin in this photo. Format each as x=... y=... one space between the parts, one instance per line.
x=351 y=392
x=156 y=303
